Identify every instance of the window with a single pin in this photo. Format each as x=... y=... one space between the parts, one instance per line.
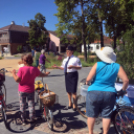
x=91 y=48
x=97 y=47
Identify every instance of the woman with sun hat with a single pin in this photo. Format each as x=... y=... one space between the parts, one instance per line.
x=101 y=94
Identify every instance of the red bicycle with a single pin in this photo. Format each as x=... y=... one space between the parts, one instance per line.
x=3 y=96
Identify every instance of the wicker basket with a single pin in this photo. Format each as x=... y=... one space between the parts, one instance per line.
x=48 y=99
x=2 y=75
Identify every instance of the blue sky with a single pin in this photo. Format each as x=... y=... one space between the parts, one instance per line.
x=21 y=11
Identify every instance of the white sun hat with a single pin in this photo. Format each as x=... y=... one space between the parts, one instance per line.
x=106 y=54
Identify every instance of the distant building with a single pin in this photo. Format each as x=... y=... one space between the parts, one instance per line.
x=97 y=44
x=13 y=35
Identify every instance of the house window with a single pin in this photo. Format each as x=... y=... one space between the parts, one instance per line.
x=97 y=47
x=91 y=48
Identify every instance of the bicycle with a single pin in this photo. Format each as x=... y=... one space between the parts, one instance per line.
x=47 y=111
x=122 y=117
x=3 y=96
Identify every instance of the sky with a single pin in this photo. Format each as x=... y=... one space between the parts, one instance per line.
x=20 y=11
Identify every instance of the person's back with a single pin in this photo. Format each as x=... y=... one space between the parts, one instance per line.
x=42 y=59
x=106 y=74
x=27 y=75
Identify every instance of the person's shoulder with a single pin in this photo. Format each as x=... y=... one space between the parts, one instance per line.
x=117 y=64
x=75 y=57
x=100 y=63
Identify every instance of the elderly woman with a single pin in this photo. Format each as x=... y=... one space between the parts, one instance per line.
x=26 y=77
x=42 y=60
x=101 y=94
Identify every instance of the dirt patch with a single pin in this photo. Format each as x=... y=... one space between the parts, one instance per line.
x=9 y=64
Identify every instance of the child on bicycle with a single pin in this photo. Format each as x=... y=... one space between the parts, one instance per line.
x=26 y=77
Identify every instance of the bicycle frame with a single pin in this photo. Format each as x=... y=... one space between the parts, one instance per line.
x=1 y=98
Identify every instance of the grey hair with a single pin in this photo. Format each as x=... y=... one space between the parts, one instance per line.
x=42 y=51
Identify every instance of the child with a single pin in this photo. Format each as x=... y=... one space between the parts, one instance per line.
x=42 y=60
x=26 y=77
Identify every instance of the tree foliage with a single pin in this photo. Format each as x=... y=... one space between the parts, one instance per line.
x=74 y=17
x=37 y=33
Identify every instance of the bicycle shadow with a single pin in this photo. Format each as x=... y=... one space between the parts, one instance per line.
x=68 y=119
x=14 y=123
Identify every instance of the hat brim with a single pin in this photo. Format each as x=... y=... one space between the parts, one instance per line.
x=104 y=58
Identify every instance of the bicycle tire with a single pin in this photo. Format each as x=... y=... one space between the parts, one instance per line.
x=3 y=111
x=82 y=112
x=126 y=121
x=49 y=118
x=3 y=89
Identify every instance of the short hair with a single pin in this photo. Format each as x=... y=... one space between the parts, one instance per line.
x=42 y=51
x=28 y=59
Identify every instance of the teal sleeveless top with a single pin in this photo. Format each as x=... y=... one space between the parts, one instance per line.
x=105 y=77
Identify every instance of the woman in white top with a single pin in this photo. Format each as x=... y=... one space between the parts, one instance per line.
x=70 y=65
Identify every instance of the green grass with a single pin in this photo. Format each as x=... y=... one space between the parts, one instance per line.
x=54 y=60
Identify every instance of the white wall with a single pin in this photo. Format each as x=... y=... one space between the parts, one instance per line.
x=92 y=49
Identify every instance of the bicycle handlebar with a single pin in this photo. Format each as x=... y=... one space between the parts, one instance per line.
x=3 y=69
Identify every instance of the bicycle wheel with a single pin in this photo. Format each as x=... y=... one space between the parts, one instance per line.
x=3 y=111
x=124 y=121
x=81 y=105
x=49 y=118
x=3 y=89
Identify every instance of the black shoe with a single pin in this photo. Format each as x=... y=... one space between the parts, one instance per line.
x=74 y=109
x=69 y=107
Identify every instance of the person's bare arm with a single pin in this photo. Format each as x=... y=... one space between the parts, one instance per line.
x=75 y=67
x=58 y=67
x=16 y=78
x=44 y=74
x=91 y=73
x=123 y=76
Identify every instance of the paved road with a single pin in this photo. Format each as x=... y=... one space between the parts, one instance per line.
x=55 y=81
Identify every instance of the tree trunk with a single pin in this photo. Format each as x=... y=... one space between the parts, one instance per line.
x=102 y=42
x=113 y=25
x=83 y=32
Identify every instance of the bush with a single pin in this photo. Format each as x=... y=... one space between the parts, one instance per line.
x=125 y=57
x=76 y=53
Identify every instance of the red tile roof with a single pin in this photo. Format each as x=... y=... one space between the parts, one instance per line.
x=107 y=41
x=20 y=28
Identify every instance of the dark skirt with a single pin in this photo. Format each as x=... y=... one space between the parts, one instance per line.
x=71 y=80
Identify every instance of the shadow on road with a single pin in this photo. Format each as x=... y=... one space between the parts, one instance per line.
x=111 y=131
x=65 y=120
x=56 y=75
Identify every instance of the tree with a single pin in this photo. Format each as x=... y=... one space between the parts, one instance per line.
x=68 y=17
x=37 y=33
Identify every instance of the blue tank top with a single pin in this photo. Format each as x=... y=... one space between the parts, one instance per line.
x=105 y=77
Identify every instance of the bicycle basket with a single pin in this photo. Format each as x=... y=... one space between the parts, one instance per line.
x=47 y=97
x=2 y=75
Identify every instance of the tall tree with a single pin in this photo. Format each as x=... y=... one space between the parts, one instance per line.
x=37 y=33
x=68 y=17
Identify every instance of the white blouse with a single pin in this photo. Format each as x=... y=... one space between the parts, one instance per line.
x=75 y=61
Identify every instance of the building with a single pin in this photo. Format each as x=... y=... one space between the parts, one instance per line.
x=97 y=44
x=13 y=35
